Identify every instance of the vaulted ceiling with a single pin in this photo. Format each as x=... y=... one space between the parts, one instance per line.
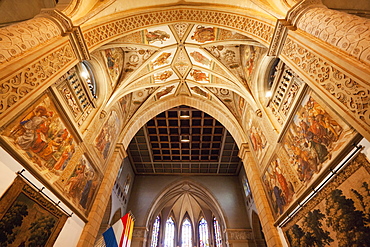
x=190 y=60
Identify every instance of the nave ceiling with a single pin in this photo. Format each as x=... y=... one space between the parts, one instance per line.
x=182 y=60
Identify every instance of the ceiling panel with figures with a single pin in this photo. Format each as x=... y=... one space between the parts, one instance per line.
x=207 y=62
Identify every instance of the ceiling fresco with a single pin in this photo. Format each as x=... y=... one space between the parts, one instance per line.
x=184 y=59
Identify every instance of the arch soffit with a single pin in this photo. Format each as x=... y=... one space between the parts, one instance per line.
x=143 y=115
x=169 y=193
x=256 y=27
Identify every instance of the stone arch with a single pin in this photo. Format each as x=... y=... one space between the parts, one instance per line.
x=177 y=190
x=221 y=115
x=257 y=230
x=254 y=26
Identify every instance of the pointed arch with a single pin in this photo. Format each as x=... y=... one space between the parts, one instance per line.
x=154 y=242
x=186 y=232
x=217 y=232
x=169 y=234
x=143 y=115
x=203 y=231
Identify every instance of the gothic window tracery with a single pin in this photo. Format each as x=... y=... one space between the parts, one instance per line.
x=203 y=233
x=186 y=229
x=155 y=232
x=169 y=239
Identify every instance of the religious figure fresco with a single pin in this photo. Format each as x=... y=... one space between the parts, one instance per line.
x=107 y=135
x=200 y=58
x=199 y=91
x=114 y=62
x=165 y=92
x=256 y=135
x=312 y=137
x=162 y=59
x=157 y=35
x=204 y=34
x=280 y=188
x=82 y=183
x=163 y=76
x=198 y=75
x=42 y=137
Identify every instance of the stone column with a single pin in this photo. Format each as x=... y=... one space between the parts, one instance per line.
x=260 y=197
x=96 y=215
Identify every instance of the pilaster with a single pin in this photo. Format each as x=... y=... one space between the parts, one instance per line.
x=96 y=215
x=260 y=197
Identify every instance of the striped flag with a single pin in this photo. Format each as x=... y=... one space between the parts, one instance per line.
x=119 y=235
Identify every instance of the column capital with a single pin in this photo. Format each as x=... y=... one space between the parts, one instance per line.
x=243 y=150
x=289 y=23
x=66 y=26
x=296 y=12
x=120 y=150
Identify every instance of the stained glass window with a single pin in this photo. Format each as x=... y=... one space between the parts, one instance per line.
x=155 y=232
x=186 y=233
x=169 y=240
x=216 y=226
x=246 y=187
x=203 y=233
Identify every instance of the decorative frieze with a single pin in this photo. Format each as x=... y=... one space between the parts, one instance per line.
x=18 y=38
x=239 y=234
x=98 y=35
x=351 y=94
x=15 y=88
x=349 y=33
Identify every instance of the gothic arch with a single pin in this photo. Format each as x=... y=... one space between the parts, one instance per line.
x=252 y=25
x=145 y=114
x=175 y=194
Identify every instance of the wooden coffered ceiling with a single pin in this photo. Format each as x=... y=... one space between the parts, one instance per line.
x=157 y=147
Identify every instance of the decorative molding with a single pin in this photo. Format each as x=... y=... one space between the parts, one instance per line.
x=243 y=150
x=15 y=88
x=278 y=39
x=351 y=94
x=239 y=234
x=295 y=13
x=259 y=113
x=19 y=38
x=349 y=33
x=66 y=26
x=63 y=22
x=101 y=34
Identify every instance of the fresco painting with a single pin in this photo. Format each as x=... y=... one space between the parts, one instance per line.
x=82 y=184
x=27 y=218
x=107 y=135
x=114 y=62
x=204 y=34
x=313 y=136
x=256 y=135
x=280 y=185
x=339 y=214
x=42 y=137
